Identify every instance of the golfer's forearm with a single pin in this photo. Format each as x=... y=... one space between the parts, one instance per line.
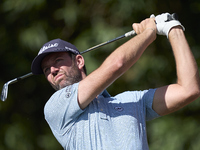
x=115 y=65
x=187 y=70
x=127 y=54
x=168 y=99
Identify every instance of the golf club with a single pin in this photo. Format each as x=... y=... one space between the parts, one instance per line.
x=4 y=92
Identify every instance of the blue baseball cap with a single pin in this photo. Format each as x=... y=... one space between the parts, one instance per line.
x=56 y=45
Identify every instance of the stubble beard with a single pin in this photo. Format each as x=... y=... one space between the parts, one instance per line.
x=73 y=76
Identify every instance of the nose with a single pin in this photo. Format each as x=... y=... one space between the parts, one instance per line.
x=54 y=70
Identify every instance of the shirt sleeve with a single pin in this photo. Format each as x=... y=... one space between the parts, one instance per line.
x=148 y=97
x=62 y=109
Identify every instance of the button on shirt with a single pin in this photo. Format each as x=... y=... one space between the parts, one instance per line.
x=107 y=123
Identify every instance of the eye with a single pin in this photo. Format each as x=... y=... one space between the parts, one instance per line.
x=46 y=70
x=58 y=60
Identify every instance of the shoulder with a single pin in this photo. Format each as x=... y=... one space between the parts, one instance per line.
x=135 y=96
x=65 y=92
x=61 y=103
x=60 y=97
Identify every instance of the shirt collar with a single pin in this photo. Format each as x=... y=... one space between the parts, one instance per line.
x=105 y=93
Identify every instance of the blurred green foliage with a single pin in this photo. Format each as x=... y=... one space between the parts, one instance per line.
x=27 y=24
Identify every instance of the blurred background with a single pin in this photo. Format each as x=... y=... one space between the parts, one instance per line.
x=27 y=24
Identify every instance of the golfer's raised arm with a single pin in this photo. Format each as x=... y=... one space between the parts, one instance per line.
x=117 y=63
x=175 y=96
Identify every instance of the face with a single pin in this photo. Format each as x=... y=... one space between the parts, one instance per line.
x=60 y=70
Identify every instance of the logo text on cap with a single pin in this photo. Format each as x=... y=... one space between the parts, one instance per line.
x=47 y=47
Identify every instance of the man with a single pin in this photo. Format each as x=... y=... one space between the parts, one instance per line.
x=82 y=115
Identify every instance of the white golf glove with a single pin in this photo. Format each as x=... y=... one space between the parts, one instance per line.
x=165 y=22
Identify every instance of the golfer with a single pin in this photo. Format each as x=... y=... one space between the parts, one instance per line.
x=81 y=113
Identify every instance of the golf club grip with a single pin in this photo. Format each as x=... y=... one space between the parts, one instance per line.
x=174 y=16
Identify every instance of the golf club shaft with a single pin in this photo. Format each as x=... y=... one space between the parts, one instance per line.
x=5 y=87
x=130 y=33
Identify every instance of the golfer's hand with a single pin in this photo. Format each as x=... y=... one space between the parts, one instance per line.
x=147 y=24
x=165 y=22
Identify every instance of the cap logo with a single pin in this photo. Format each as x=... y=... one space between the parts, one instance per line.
x=47 y=47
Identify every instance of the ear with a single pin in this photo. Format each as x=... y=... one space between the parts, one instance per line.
x=80 y=61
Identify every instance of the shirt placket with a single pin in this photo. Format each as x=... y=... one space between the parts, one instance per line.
x=101 y=107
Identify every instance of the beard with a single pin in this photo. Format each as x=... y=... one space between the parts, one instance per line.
x=73 y=76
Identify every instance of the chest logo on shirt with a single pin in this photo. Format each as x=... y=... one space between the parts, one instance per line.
x=68 y=94
x=119 y=108
x=68 y=91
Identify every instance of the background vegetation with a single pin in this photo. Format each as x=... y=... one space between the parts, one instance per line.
x=27 y=24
